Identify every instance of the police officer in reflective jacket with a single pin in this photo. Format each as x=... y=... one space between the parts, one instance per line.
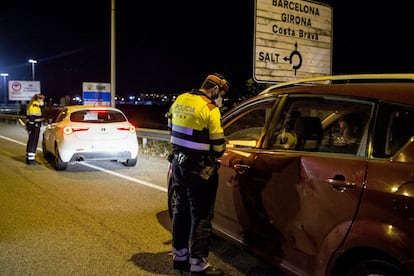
x=197 y=138
x=33 y=124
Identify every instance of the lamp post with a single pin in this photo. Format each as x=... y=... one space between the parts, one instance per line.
x=5 y=75
x=33 y=62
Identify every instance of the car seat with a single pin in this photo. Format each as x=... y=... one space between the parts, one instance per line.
x=309 y=133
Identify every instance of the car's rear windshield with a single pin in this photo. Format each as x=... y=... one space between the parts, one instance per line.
x=97 y=116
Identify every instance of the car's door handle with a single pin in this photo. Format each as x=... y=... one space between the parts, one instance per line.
x=240 y=168
x=341 y=185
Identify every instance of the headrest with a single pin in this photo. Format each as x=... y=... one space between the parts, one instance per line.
x=308 y=129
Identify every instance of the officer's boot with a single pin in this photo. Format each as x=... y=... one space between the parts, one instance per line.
x=30 y=158
x=203 y=267
x=180 y=259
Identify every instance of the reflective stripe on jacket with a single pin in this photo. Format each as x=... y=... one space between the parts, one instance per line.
x=195 y=124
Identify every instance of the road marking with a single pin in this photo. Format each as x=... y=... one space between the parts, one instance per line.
x=142 y=182
x=124 y=177
x=12 y=140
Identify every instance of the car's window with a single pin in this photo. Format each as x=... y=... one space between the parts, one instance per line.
x=97 y=116
x=246 y=127
x=323 y=124
x=393 y=129
x=60 y=116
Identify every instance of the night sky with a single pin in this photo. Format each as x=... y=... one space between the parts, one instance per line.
x=169 y=46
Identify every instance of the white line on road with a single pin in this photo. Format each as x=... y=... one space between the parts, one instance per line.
x=142 y=182
x=12 y=140
x=125 y=177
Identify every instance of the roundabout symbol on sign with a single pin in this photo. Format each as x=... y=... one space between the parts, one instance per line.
x=299 y=58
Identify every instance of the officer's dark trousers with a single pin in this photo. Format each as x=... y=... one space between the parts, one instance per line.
x=33 y=129
x=191 y=223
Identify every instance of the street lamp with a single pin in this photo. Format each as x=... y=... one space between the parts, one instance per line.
x=33 y=62
x=5 y=75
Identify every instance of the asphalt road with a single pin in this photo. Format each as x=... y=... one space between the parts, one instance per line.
x=92 y=219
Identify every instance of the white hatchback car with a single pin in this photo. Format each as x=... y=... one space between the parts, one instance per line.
x=80 y=133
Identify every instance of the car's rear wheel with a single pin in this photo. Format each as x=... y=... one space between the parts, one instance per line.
x=59 y=164
x=130 y=162
x=46 y=154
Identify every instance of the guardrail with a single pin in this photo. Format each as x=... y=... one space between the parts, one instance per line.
x=10 y=109
x=144 y=133
x=155 y=134
x=11 y=117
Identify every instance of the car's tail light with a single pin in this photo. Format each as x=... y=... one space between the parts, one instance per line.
x=131 y=128
x=69 y=130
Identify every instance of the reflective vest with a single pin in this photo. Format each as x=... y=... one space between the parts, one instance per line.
x=34 y=111
x=195 y=124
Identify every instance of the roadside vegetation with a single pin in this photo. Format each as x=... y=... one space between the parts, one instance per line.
x=155 y=148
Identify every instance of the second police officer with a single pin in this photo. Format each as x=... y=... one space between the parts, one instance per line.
x=33 y=125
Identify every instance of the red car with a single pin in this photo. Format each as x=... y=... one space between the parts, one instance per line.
x=318 y=176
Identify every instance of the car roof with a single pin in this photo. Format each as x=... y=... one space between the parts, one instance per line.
x=398 y=88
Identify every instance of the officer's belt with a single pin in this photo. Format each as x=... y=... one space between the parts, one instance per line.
x=37 y=120
x=193 y=156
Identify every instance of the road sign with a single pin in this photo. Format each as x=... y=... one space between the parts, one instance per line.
x=96 y=93
x=293 y=40
x=23 y=90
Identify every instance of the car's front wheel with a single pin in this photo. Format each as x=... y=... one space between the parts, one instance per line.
x=375 y=267
x=172 y=199
x=369 y=264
